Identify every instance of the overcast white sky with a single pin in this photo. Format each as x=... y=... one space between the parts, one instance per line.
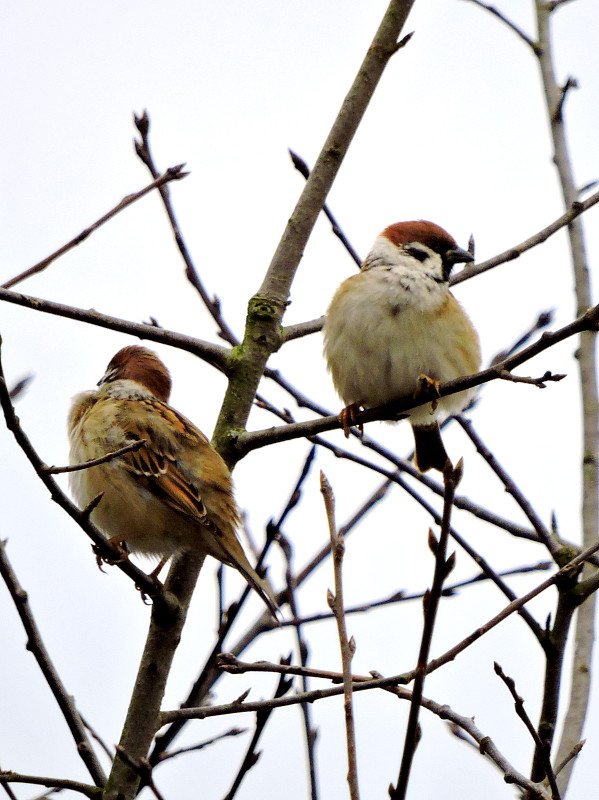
x=457 y=134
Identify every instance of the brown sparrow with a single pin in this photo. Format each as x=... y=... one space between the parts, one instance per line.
x=396 y=325
x=174 y=494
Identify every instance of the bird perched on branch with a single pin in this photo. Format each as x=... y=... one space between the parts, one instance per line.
x=172 y=495
x=395 y=327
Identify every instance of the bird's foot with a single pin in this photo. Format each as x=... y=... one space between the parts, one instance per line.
x=424 y=386
x=119 y=546
x=349 y=417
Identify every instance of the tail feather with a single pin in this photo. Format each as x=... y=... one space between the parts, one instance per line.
x=260 y=586
x=430 y=451
x=227 y=548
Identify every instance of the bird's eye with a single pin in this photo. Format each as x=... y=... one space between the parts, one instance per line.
x=417 y=252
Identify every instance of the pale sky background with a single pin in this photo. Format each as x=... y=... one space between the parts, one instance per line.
x=456 y=133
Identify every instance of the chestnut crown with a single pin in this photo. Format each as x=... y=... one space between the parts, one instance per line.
x=135 y=363
x=433 y=236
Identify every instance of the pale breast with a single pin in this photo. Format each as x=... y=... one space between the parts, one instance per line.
x=384 y=328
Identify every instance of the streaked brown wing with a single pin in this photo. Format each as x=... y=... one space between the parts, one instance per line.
x=157 y=466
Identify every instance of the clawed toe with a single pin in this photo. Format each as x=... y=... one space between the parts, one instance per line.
x=349 y=418
x=425 y=385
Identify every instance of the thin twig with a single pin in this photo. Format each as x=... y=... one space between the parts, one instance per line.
x=304 y=170
x=443 y=566
x=540 y=745
x=301 y=642
x=20 y=387
x=567 y=571
x=486 y=745
x=572 y=754
x=589 y=321
x=448 y=591
x=56 y=783
x=192 y=748
x=544 y=534
x=575 y=209
x=171 y=174
x=36 y=645
x=252 y=755
x=142 y=148
x=300 y=329
x=347 y=646
x=94 y=462
x=511 y=25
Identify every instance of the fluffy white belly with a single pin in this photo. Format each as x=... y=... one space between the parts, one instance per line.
x=381 y=333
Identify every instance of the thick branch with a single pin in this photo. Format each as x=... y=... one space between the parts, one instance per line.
x=266 y=308
x=587 y=363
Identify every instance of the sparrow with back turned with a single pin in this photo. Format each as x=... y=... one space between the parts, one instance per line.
x=396 y=325
x=175 y=493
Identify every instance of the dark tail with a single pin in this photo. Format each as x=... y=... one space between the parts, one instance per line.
x=430 y=451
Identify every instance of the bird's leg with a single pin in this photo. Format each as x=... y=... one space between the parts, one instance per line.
x=426 y=385
x=348 y=418
x=155 y=572
x=121 y=548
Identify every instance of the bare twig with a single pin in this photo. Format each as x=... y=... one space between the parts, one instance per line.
x=589 y=321
x=485 y=743
x=443 y=566
x=211 y=353
x=540 y=745
x=142 y=148
x=55 y=783
x=450 y=655
x=572 y=754
x=302 y=644
x=171 y=174
x=544 y=534
x=347 y=646
x=267 y=307
x=252 y=755
x=36 y=645
x=575 y=209
x=448 y=591
x=94 y=462
x=543 y=320
x=192 y=748
x=304 y=170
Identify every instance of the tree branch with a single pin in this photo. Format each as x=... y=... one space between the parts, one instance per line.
x=52 y=783
x=443 y=567
x=36 y=646
x=211 y=353
x=171 y=174
x=347 y=646
x=245 y=442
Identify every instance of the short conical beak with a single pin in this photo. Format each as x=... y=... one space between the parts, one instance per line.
x=458 y=256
